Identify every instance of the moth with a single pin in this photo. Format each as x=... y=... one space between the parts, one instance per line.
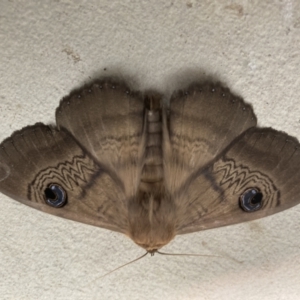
x=123 y=161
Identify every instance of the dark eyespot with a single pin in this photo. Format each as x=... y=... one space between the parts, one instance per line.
x=251 y=200
x=55 y=196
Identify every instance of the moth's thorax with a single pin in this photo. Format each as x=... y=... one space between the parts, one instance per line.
x=151 y=221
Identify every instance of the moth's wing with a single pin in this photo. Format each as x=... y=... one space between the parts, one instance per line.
x=264 y=160
x=202 y=121
x=39 y=156
x=108 y=120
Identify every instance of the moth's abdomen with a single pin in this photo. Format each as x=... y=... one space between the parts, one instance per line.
x=152 y=173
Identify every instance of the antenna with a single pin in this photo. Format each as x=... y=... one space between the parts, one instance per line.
x=118 y=268
x=187 y=254
x=152 y=253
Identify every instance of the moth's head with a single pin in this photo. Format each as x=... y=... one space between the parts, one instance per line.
x=152 y=222
x=152 y=242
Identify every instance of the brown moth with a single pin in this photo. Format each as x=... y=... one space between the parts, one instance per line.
x=119 y=160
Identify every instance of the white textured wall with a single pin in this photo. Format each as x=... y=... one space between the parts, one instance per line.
x=48 y=48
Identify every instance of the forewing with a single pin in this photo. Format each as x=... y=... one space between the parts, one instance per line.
x=39 y=156
x=262 y=159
